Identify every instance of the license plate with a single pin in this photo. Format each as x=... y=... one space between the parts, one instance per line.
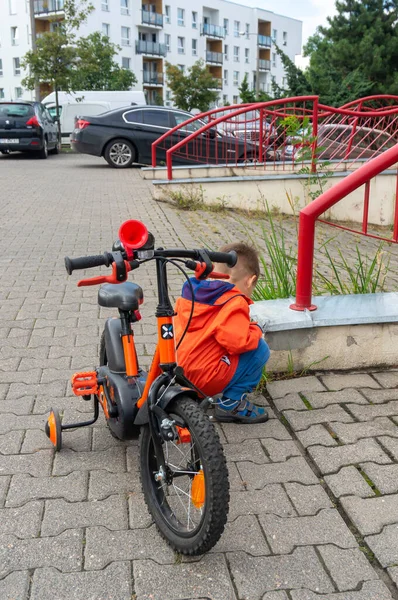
x=9 y=141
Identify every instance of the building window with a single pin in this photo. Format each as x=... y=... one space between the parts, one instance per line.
x=181 y=67
x=18 y=92
x=124 y=7
x=106 y=29
x=247 y=55
x=236 y=28
x=285 y=38
x=225 y=77
x=275 y=35
x=236 y=53
x=126 y=62
x=274 y=59
x=1 y=67
x=226 y=26
x=105 y=5
x=194 y=20
x=168 y=98
x=235 y=100
x=180 y=16
x=247 y=30
x=13 y=7
x=17 y=66
x=284 y=81
x=167 y=14
x=14 y=36
x=194 y=47
x=236 y=77
x=225 y=100
x=226 y=52
x=181 y=45
x=1 y=92
x=167 y=39
x=125 y=36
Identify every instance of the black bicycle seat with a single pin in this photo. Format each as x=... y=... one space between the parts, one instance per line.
x=124 y=296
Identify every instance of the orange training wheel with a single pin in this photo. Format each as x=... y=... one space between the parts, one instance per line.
x=54 y=430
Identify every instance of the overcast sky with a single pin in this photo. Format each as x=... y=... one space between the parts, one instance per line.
x=311 y=12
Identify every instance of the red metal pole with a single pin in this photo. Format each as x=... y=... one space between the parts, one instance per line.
x=395 y=234
x=305 y=263
x=314 y=134
x=261 y=137
x=366 y=208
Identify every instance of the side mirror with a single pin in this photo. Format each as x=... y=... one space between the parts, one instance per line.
x=212 y=133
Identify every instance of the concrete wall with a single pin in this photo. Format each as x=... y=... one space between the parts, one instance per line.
x=249 y=192
x=346 y=347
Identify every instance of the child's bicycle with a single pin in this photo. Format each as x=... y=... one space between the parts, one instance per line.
x=183 y=469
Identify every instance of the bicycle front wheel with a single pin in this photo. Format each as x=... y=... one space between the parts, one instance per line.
x=189 y=501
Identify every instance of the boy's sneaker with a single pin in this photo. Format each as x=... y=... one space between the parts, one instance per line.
x=239 y=411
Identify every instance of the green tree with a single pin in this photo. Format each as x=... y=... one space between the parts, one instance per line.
x=96 y=68
x=247 y=95
x=296 y=80
x=357 y=53
x=55 y=55
x=195 y=89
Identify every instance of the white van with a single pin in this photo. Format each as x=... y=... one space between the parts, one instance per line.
x=89 y=103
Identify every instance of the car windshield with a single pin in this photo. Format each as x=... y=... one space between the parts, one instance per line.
x=16 y=110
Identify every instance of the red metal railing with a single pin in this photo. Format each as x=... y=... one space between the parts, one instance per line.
x=256 y=134
x=309 y=215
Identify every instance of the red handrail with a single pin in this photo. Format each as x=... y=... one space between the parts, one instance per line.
x=310 y=213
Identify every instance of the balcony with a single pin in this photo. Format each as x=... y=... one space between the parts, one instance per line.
x=151 y=48
x=264 y=41
x=45 y=7
x=213 y=31
x=151 y=19
x=217 y=84
x=264 y=65
x=214 y=57
x=152 y=79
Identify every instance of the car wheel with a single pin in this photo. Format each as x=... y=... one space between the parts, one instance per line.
x=120 y=154
x=5 y=152
x=56 y=148
x=43 y=153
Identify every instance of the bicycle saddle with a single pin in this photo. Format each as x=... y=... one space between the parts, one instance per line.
x=124 y=296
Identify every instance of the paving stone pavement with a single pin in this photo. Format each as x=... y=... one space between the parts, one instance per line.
x=313 y=511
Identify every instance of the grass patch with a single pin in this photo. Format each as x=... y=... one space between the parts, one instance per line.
x=368 y=480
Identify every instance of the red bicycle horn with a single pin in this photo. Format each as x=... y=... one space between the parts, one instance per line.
x=133 y=235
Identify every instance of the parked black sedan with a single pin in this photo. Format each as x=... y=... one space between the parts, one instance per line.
x=125 y=136
x=27 y=127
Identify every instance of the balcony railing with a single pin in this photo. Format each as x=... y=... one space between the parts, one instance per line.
x=264 y=40
x=151 y=18
x=48 y=6
x=217 y=84
x=154 y=48
x=264 y=65
x=152 y=78
x=214 y=57
x=212 y=30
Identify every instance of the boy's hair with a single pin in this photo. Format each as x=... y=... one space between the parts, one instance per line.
x=248 y=263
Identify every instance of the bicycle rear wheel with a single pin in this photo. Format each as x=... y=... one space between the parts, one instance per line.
x=189 y=502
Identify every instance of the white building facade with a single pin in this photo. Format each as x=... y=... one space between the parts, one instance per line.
x=231 y=39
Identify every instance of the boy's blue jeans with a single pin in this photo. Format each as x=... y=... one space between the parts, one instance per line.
x=248 y=372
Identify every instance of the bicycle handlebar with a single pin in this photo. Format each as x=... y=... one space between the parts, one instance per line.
x=87 y=262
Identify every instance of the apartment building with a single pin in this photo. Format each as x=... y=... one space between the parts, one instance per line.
x=231 y=38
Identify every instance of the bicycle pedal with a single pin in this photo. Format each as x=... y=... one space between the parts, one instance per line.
x=85 y=384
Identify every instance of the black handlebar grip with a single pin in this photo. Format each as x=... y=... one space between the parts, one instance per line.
x=87 y=262
x=229 y=258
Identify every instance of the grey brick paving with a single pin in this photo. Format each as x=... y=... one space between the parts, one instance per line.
x=385 y=545
x=385 y=477
x=255 y=576
x=307 y=499
x=74 y=525
x=330 y=460
x=284 y=535
x=348 y=568
x=368 y=413
x=349 y=380
x=349 y=481
x=113 y=583
x=209 y=579
x=371 y=514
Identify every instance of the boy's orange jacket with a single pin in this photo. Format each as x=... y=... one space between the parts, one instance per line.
x=219 y=331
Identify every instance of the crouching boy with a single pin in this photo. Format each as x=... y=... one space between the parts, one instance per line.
x=222 y=351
